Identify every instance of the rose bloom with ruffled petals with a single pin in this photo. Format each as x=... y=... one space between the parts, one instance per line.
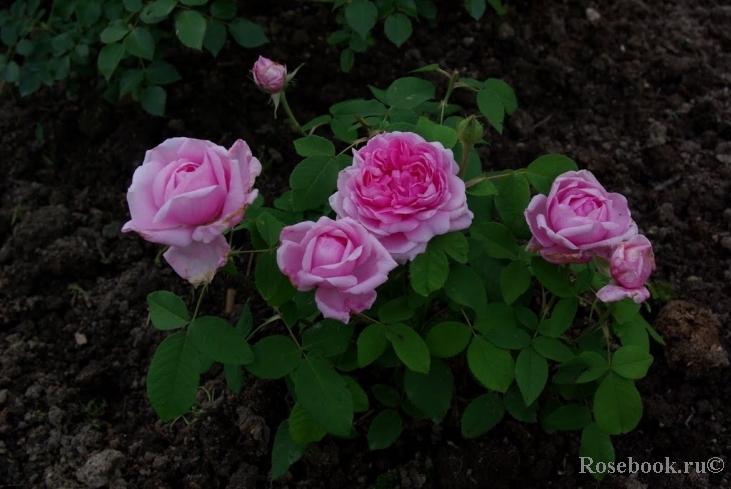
x=340 y=258
x=405 y=191
x=186 y=193
x=630 y=265
x=578 y=219
x=269 y=76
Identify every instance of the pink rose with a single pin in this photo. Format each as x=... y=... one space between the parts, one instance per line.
x=631 y=264
x=269 y=76
x=405 y=191
x=340 y=258
x=578 y=219
x=187 y=192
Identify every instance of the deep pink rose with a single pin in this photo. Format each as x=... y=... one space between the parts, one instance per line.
x=631 y=264
x=341 y=258
x=268 y=75
x=578 y=219
x=185 y=194
x=405 y=191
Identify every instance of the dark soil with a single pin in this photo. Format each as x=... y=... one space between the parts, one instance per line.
x=640 y=97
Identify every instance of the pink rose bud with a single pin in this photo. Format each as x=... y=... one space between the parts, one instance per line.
x=631 y=264
x=190 y=190
x=405 y=191
x=340 y=258
x=198 y=262
x=269 y=76
x=578 y=219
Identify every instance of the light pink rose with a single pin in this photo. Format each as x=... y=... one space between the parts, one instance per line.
x=340 y=258
x=631 y=264
x=269 y=76
x=185 y=194
x=405 y=191
x=578 y=219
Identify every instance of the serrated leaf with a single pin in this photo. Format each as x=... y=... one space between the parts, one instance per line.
x=465 y=287
x=327 y=338
x=312 y=182
x=567 y=418
x=140 y=43
x=161 y=73
x=215 y=37
x=514 y=281
x=273 y=285
x=492 y=108
x=109 y=57
x=274 y=357
x=386 y=395
x=190 y=28
x=397 y=28
x=482 y=188
x=552 y=349
x=631 y=362
x=505 y=92
x=482 y=414
x=285 y=451
x=234 y=375
x=153 y=100
x=429 y=270
x=596 y=445
x=360 y=398
x=508 y=338
x=115 y=31
x=395 y=310
x=617 y=405
x=409 y=346
x=302 y=428
x=314 y=146
x=325 y=396
x=361 y=16
x=223 y=9
x=217 y=339
x=553 y=277
x=499 y=241
x=516 y=407
x=543 y=171
x=130 y=81
x=173 y=377
x=531 y=374
x=384 y=430
x=476 y=8
x=448 y=339
x=511 y=201
x=454 y=244
x=167 y=310
x=492 y=367
x=372 y=342
x=431 y=392
x=409 y=92
x=246 y=33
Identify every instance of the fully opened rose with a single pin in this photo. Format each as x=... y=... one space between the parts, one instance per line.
x=630 y=265
x=340 y=258
x=185 y=194
x=578 y=219
x=405 y=191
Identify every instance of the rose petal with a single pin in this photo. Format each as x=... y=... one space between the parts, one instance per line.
x=198 y=262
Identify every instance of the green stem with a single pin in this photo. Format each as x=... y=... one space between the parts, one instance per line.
x=262 y=325
x=288 y=111
x=198 y=304
x=466 y=150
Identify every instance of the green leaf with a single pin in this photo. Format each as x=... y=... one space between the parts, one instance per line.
x=384 y=430
x=448 y=339
x=347 y=60
x=531 y=374
x=194 y=2
x=109 y=57
x=409 y=347
x=386 y=395
x=269 y=227
x=274 y=357
x=173 y=376
x=246 y=33
x=476 y=8
x=515 y=405
x=302 y=428
x=492 y=108
x=492 y=367
x=543 y=171
x=234 y=377
x=508 y=338
x=159 y=9
x=562 y=317
x=482 y=414
x=429 y=270
x=360 y=398
x=372 y=342
x=29 y=83
x=499 y=240
x=285 y=451
x=431 y=392
x=595 y=365
x=497 y=6
x=140 y=43
x=427 y=68
x=454 y=244
x=596 y=445
x=115 y=31
x=496 y=315
x=482 y=189
x=505 y=92
x=397 y=28
x=274 y=287
x=361 y=16
x=88 y=12
x=161 y=73
x=325 y=396
x=11 y=72
x=617 y=405
x=633 y=333
x=409 y=92
x=465 y=287
x=395 y=311
x=167 y=310
x=190 y=27
x=153 y=99
x=631 y=362
x=223 y=9
x=327 y=338
x=431 y=131
x=553 y=277
x=552 y=349
x=215 y=37
x=568 y=417
x=511 y=201
x=215 y=338
x=514 y=281
x=312 y=182
x=314 y=146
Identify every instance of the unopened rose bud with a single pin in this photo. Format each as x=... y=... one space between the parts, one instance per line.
x=470 y=131
x=269 y=76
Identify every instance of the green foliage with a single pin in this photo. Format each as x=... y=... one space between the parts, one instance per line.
x=45 y=44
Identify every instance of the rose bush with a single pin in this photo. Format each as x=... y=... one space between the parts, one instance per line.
x=405 y=190
x=341 y=258
x=269 y=76
x=186 y=193
x=577 y=220
x=630 y=265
